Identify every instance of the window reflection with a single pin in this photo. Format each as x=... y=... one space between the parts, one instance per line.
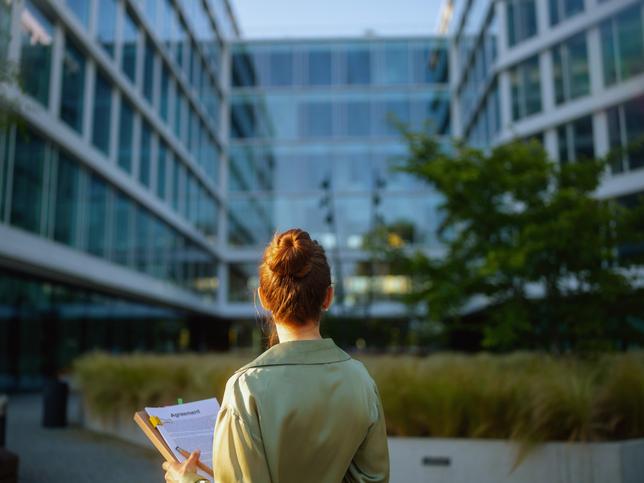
x=28 y=182
x=67 y=206
x=102 y=113
x=106 y=27
x=36 y=49
x=126 y=129
x=73 y=86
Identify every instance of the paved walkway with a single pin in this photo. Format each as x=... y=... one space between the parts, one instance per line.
x=73 y=455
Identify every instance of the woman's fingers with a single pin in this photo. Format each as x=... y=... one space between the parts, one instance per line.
x=191 y=463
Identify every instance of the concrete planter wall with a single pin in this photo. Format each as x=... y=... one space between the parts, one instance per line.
x=435 y=460
x=438 y=460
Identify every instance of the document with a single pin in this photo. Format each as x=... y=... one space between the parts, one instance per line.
x=188 y=427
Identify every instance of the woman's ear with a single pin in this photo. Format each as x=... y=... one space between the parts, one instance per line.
x=328 y=298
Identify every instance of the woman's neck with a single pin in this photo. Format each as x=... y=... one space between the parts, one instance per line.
x=288 y=332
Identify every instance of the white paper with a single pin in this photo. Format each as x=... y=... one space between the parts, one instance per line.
x=189 y=426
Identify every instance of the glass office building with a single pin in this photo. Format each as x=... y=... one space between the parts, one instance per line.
x=567 y=72
x=111 y=191
x=313 y=138
x=152 y=153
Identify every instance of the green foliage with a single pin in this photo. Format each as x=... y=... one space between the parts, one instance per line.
x=526 y=397
x=128 y=382
x=525 y=241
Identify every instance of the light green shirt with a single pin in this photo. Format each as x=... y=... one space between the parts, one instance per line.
x=303 y=411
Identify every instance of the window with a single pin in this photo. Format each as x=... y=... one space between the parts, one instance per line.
x=73 y=86
x=142 y=238
x=563 y=9
x=165 y=93
x=102 y=113
x=145 y=153
x=316 y=119
x=28 y=181
x=389 y=113
x=526 y=88
x=429 y=65
x=5 y=30
x=122 y=234
x=68 y=202
x=162 y=163
x=576 y=140
x=625 y=135
x=623 y=45
x=150 y=10
x=192 y=199
x=319 y=68
x=4 y=162
x=126 y=126
x=358 y=118
x=395 y=68
x=97 y=216
x=148 y=71
x=35 y=59
x=178 y=113
x=80 y=9
x=105 y=28
x=522 y=20
x=176 y=183
x=358 y=67
x=571 y=69
x=130 y=38
x=281 y=68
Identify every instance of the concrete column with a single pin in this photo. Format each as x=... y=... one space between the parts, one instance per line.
x=600 y=133
x=114 y=125
x=550 y=143
x=505 y=104
x=543 y=17
x=88 y=101
x=595 y=60
x=55 y=81
x=547 y=81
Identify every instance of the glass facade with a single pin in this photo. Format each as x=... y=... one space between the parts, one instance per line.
x=525 y=84
x=562 y=9
x=626 y=136
x=73 y=86
x=37 y=32
x=622 y=38
x=570 y=69
x=576 y=140
x=521 y=20
x=313 y=142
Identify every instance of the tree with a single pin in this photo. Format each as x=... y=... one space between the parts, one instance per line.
x=528 y=249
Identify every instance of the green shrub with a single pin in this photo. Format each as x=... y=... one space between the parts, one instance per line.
x=523 y=396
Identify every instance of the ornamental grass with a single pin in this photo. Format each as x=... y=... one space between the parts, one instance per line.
x=524 y=397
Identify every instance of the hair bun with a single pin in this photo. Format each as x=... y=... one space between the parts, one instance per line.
x=290 y=254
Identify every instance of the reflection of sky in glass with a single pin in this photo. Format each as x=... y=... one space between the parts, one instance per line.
x=39 y=29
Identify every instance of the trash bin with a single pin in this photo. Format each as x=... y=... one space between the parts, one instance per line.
x=55 y=395
x=4 y=402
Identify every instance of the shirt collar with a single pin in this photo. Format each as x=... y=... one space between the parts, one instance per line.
x=297 y=352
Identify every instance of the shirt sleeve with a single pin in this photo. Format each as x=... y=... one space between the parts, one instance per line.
x=238 y=451
x=370 y=464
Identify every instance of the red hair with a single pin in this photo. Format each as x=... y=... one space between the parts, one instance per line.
x=293 y=278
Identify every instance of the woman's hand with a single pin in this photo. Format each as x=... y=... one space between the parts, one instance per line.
x=182 y=472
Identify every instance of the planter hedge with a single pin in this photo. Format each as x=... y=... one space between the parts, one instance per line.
x=523 y=396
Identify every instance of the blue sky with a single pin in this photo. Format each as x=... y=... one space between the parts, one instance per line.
x=327 y=18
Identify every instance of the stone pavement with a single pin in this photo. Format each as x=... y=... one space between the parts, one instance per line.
x=72 y=454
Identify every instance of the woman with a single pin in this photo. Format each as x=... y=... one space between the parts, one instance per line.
x=303 y=411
